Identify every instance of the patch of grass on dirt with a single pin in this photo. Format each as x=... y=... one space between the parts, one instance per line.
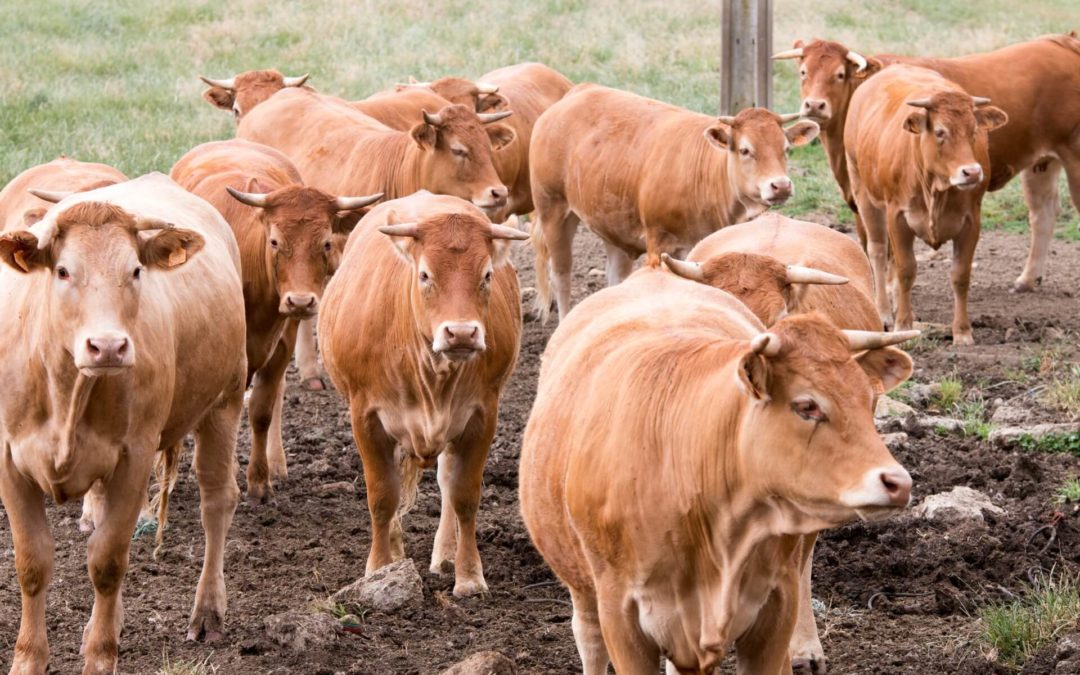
x=1016 y=630
x=1067 y=443
x=1063 y=392
x=198 y=667
x=1068 y=492
x=973 y=414
x=951 y=393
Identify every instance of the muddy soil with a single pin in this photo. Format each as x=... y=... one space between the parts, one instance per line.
x=927 y=581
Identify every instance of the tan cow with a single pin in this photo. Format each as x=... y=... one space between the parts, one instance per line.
x=1036 y=83
x=285 y=232
x=480 y=96
x=124 y=333
x=241 y=93
x=917 y=158
x=701 y=424
x=647 y=177
x=421 y=327
x=19 y=208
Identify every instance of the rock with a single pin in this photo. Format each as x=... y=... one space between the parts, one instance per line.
x=321 y=467
x=1052 y=334
x=387 y=589
x=921 y=395
x=1007 y=436
x=959 y=505
x=890 y=407
x=334 y=488
x=946 y=424
x=894 y=441
x=597 y=272
x=483 y=663
x=301 y=631
x=1068 y=655
x=1009 y=415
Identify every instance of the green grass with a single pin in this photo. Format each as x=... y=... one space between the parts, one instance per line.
x=1063 y=391
x=1060 y=443
x=951 y=393
x=1016 y=630
x=1069 y=492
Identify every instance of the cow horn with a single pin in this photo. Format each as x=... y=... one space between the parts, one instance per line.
x=488 y=118
x=861 y=340
x=683 y=268
x=508 y=231
x=796 y=53
x=353 y=203
x=146 y=223
x=797 y=274
x=53 y=196
x=296 y=81
x=919 y=102
x=434 y=120
x=413 y=83
x=401 y=230
x=726 y=119
x=858 y=59
x=224 y=84
x=980 y=101
x=766 y=344
x=789 y=117
x=249 y=198
x=486 y=87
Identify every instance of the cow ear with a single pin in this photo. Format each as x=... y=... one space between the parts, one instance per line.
x=990 y=117
x=170 y=248
x=798 y=44
x=425 y=135
x=501 y=246
x=31 y=216
x=219 y=97
x=753 y=376
x=801 y=133
x=500 y=135
x=873 y=66
x=719 y=135
x=402 y=235
x=20 y=251
x=888 y=366
x=345 y=221
x=492 y=103
x=915 y=123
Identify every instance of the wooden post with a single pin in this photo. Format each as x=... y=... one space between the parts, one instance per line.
x=745 y=48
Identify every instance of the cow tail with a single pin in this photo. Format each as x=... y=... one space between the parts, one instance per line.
x=410 y=472
x=543 y=269
x=166 y=469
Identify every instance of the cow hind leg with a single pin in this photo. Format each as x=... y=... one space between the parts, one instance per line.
x=631 y=651
x=807 y=655
x=465 y=469
x=266 y=393
x=446 y=537
x=1041 y=194
x=215 y=470
x=558 y=225
x=619 y=264
x=587 y=634
x=381 y=477
x=877 y=250
x=307 y=357
x=963 y=257
x=904 y=269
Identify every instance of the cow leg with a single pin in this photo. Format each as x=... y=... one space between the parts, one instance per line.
x=465 y=469
x=963 y=257
x=587 y=634
x=34 y=552
x=307 y=357
x=1041 y=195
x=381 y=477
x=446 y=537
x=559 y=236
x=877 y=250
x=905 y=267
x=215 y=469
x=619 y=264
x=107 y=557
x=266 y=392
x=807 y=656
x=631 y=651
x=763 y=649
x=91 y=511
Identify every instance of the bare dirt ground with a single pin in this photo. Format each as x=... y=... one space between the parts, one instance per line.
x=288 y=555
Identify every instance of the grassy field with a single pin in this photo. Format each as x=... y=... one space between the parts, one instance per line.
x=115 y=80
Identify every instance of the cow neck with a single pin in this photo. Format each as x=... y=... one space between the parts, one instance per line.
x=401 y=171
x=261 y=299
x=934 y=201
x=709 y=166
x=832 y=138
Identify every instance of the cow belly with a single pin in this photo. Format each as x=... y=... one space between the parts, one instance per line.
x=424 y=433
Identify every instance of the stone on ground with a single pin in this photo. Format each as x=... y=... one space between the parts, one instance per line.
x=387 y=589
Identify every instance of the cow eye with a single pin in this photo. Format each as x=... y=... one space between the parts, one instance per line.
x=327 y=247
x=62 y=273
x=745 y=152
x=802 y=73
x=459 y=152
x=424 y=277
x=840 y=76
x=274 y=244
x=808 y=409
x=487 y=278
x=137 y=274
x=940 y=133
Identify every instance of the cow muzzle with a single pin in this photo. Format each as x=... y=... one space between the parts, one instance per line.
x=104 y=354
x=816 y=109
x=882 y=491
x=299 y=305
x=777 y=190
x=967 y=177
x=492 y=199
x=459 y=341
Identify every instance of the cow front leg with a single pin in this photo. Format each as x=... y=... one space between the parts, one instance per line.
x=266 y=392
x=619 y=264
x=631 y=651
x=807 y=655
x=34 y=551
x=445 y=548
x=877 y=250
x=763 y=650
x=588 y=635
x=963 y=257
x=905 y=267
x=1041 y=196
x=382 y=479
x=465 y=468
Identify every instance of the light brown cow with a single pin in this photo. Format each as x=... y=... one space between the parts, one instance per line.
x=647 y=177
x=241 y=93
x=124 y=333
x=421 y=327
x=1036 y=83
x=480 y=96
x=917 y=158
x=19 y=208
x=285 y=232
x=701 y=425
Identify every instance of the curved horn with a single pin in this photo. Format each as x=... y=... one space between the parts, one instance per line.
x=296 y=81
x=684 y=268
x=434 y=120
x=53 y=196
x=980 y=101
x=147 y=223
x=919 y=102
x=858 y=59
x=726 y=119
x=401 y=230
x=486 y=87
x=224 y=84
x=488 y=118
x=797 y=274
x=766 y=344
x=861 y=340
x=789 y=117
x=506 y=231
x=413 y=83
x=249 y=198
x=789 y=54
x=353 y=203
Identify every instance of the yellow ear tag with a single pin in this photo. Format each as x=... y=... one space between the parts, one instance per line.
x=177 y=257
x=20 y=260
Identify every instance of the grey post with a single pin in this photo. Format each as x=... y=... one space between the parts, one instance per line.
x=745 y=48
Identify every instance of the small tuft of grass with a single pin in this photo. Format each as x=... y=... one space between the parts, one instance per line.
x=1063 y=392
x=1016 y=630
x=1062 y=443
x=973 y=414
x=196 y=667
x=1069 y=492
x=951 y=393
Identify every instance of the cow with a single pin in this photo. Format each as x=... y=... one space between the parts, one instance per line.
x=1036 y=83
x=916 y=147
x=285 y=232
x=647 y=177
x=701 y=422
x=19 y=208
x=124 y=332
x=241 y=93
x=421 y=327
x=480 y=96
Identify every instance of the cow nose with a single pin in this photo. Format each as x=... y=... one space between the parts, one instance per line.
x=897 y=484
x=815 y=107
x=107 y=352
x=459 y=340
x=461 y=335
x=498 y=195
x=781 y=186
x=301 y=302
x=971 y=171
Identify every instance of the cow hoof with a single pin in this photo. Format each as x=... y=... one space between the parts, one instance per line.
x=963 y=339
x=465 y=588
x=205 y=627
x=808 y=666
x=1021 y=287
x=441 y=568
x=314 y=384
x=258 y=495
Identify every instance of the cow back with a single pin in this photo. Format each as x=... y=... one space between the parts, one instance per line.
x=62 y=174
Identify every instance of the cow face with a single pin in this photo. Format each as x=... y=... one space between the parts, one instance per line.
x=757 y=146
x=949 y=124
x=829 y=72
x=300 y=224
x=454 y=259
x=96 y=260
x=480 y=96
x=807 y=438
x=458 y=151
x=240 y=94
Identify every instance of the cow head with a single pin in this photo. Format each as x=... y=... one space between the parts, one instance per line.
x=829 y=72
x=768 y=287
x=458 y=144
x=300 y=224
x=757 y=145
x=949 y=124
x=454 y=259
x=96 y=255
x=480 y=96
x=807 y=439
x=243 y=92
